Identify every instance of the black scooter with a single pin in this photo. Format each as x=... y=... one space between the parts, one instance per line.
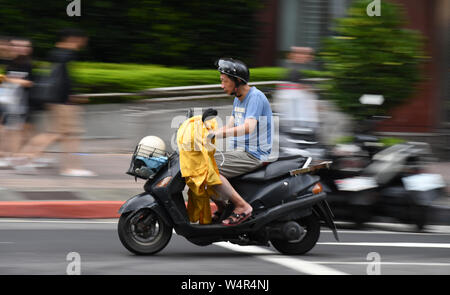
x=288 y=206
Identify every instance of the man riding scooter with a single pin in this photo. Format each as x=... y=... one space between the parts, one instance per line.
x=250 y=129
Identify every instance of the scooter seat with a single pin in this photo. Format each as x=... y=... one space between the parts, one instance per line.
x=273 y=169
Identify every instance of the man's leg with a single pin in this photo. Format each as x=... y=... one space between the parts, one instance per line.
x=37 y=144
x=226 y=190
x=70 y=161
x=234 y=163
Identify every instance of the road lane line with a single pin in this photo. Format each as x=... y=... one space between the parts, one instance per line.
x=382 y=232
x=296 y=264
x=407 y=245
x=385 y=263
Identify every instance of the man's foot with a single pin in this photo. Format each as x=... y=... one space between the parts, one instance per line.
x=27 y=169
x=11 y=162
x=44 y=162
x=5 y=163
x=78 y=173
x=237 y=218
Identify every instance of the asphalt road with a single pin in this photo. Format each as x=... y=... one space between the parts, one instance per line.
x=51 y=247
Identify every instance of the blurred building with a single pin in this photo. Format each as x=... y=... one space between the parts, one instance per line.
x=306 y=22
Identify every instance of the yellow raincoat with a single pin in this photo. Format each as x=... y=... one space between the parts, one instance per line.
x=198 y=166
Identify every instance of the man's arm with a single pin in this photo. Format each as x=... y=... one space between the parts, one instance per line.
x=246 y=128
x=21 y=82
x=229 y=124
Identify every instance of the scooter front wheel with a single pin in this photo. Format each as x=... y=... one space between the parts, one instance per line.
x=311 y=225
x=143 y=232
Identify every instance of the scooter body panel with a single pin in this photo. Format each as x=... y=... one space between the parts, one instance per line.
x=145 y=201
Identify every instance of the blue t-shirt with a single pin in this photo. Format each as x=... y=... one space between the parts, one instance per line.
x=255 y=105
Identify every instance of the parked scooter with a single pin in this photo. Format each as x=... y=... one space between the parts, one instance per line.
x=368 y=179
x=288 y=204
x=391 y=185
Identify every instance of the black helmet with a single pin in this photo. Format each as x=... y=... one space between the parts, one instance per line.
x=234 y=68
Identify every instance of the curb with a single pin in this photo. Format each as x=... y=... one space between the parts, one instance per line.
x=61 y=209
x=64 y=209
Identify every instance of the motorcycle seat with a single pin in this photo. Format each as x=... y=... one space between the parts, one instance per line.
x=272 y=170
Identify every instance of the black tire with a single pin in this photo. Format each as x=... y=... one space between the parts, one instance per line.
x=144 y=232
x=311 y=224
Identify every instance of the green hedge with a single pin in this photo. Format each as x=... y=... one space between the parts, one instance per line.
x=92 y=77
x=169 y=32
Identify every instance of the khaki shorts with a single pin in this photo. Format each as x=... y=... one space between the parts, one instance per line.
x=236 y=163
x=66 y=119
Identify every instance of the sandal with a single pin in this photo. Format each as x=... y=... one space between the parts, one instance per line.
x=239 y=218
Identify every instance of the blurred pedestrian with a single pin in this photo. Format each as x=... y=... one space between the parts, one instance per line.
x=297 y=101
x=65 y=114
x=16 y=113
x=298 y=59
x=5 y=57
x=5 y=50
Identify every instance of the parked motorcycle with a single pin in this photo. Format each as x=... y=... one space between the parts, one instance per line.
x=368 y=179
x=391 y=184
x=288 y=206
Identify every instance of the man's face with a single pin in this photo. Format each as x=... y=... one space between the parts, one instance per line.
x=301 y=55
x=227 y=84
x=21 y=47
x=77 y=43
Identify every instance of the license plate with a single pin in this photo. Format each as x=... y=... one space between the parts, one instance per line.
x=423 y=182
x=355 y=184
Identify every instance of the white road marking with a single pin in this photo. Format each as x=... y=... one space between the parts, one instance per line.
x=408 y=245
x=385 y=263
x=385 y=232
x=296 y=264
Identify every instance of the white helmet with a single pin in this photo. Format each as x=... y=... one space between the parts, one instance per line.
x=151 y=146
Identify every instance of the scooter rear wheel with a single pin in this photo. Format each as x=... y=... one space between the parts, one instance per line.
x=143 y=232
x=311 y=224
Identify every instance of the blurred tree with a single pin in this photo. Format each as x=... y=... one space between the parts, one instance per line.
x=190 y=33
x=371 y=55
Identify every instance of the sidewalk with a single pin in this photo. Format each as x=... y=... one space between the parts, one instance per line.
x=49 y=195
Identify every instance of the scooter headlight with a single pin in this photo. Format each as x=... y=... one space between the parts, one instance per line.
x=164 y=182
